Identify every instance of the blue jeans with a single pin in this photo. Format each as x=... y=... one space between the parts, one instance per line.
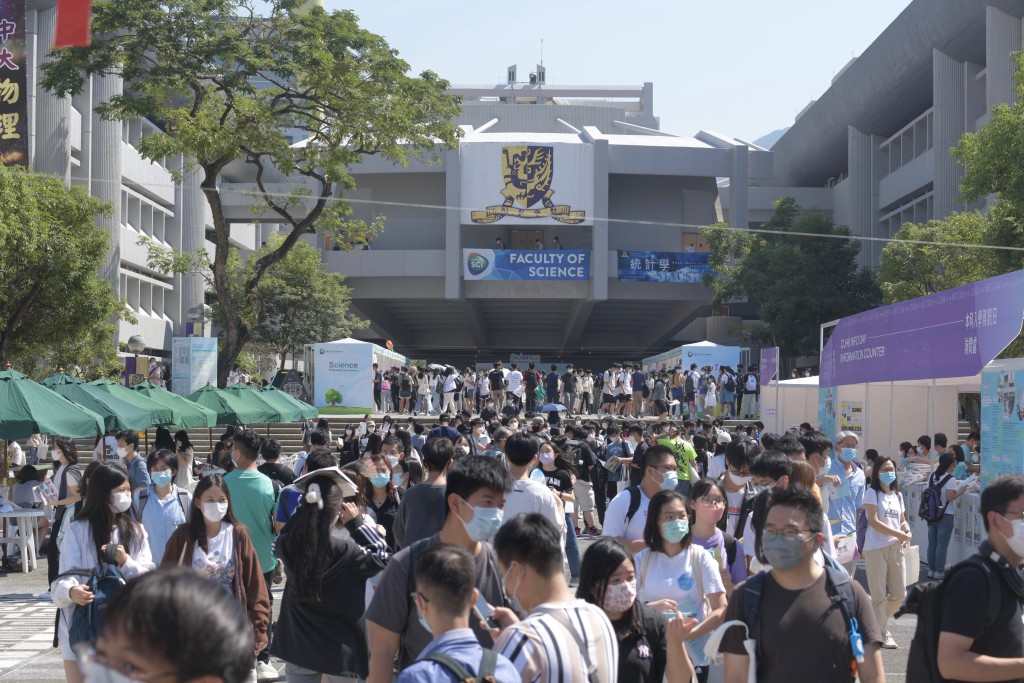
x=939 y=534
x=572 y=548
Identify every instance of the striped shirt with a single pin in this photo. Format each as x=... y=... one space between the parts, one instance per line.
x=559 y=642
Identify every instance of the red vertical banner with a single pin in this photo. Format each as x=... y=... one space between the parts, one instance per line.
x=13 y=84
x=72 y=23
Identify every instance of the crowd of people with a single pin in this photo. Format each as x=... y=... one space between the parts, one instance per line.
x=450 y=549
x=623 y=389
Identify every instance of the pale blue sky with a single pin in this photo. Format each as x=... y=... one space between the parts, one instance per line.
x=740 y=67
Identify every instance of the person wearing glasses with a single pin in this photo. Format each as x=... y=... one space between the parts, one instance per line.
x=798 y=627
x=678 y=577
x=626 y=516
x=707 y=499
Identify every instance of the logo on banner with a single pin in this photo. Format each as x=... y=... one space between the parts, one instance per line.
x=528 y=172
x=477 y=263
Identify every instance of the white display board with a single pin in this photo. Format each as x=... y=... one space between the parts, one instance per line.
x=193 y=364
x=527 y=183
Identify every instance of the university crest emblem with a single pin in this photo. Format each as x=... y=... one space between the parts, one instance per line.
x=527 y=172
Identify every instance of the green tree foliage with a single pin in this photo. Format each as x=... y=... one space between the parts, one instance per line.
x=333 y=396
x=800 y=280
x=300 y=302
x=54 y=309
x=228 y=87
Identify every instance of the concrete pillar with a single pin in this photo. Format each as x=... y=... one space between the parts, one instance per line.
x=739 y=188
x=864 y=174
x=453 y=226
x=53 y=114
x=105 y=182
x=948 y=94
x=1002 y=39
x=189 y=213
x=599 y=259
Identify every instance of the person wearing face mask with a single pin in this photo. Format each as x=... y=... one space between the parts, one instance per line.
x=318 y=632
x=464 y=447
x=530 y=494
x=408 y=474
x=849 y=492
x=393 y=450
x=817 y=451
x=128 y=452
x=626 y=516
x=444 y=600
x=888 y=534
x=474 y=496
x=105 y=519
x=651 y=644
x=805 y=612
x=562 y=637
x=216 y=546
x=66 y=480
x=382 y=498
x=981 y=636
x=161 y=507
x=738 y=485
x=559 y=475
x=636 y=445
x=677 y=576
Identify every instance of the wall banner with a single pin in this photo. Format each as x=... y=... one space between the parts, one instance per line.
x=534 y=264
x=13 y=84
x=550 y=184
x=663 y=266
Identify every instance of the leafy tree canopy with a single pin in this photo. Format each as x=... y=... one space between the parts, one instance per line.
x=799 y=279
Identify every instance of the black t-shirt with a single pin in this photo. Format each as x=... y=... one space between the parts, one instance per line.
x=276 y=470
x=488 y=414
x=636 y=469
x=386 y=515
x=585 y=459
x=569 y=381
x=551 y=385
x=510 y=411
x=964 y=612
x=558 y=479
x=404 y=382
x=642 y=656
x=497 y=380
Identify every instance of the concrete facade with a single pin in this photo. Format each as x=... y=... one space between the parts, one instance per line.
x=873 y=150
x=410 y=282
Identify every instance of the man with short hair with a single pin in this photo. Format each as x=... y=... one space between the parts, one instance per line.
x=128 y=452
x=971 y=646
x=626 y=516
x=531 y=379
x=626 y=394
x=803 y=617
x=738 y=485
x=252 y=503
x=817 y=450
x=515 y=384
x=739 y=390
x=528 y=495
x=610 y=389
x=563 y=638
x=637 y=381
x=271 y=452
x=496 y=384
x=849 y=495
x=378 y=377
x=443 y=430
x=421 y=511
x=445 y=595
x=691 y=380
x=751 y=392
x=474 y=496
x=569 y=382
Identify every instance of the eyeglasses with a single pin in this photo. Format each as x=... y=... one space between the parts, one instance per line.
x=665 y=469
x=1011 y=514
x=788 y=534
x=711 y=502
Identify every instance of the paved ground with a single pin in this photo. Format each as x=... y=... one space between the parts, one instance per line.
x=26 y=631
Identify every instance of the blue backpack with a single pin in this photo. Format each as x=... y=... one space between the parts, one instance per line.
x=105 y=583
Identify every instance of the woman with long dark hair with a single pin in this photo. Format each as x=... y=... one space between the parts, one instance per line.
x=67 y=480
x=105 y=519
x=217 y=547
x=318 y=630
x=560 y=476
x=679 y=576
x=381 y=495
x=651 y=646
x=887 y=535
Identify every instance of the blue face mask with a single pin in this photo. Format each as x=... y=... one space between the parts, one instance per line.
x=847 y=454
x=161 y=478
x=483 y=524
x=675 y=531
x=887 y=478
x=380 y=480
x=669 y=480
x=423 y=622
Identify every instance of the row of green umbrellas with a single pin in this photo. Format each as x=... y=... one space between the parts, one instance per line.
x=65 y=405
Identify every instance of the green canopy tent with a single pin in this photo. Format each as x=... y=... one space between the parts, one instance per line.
x=281 y=414
x=187 y=415
x=231 y=408
x=159 y=414
x=116 y=414
x=28 y=408
x=281 y=398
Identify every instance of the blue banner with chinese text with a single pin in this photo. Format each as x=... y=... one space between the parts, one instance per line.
x=663 y=266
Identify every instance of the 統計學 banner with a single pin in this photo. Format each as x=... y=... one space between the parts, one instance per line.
x=663 y=266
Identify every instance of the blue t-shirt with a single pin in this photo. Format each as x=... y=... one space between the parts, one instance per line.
x=138 y=473
x=849 y=496
x=462 y=646
x=287 y=503
x=161 y=517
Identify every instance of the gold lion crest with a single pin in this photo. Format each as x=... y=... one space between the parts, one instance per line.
x=527 y=171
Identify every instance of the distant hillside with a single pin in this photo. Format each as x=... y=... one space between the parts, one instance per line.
x=767 y=141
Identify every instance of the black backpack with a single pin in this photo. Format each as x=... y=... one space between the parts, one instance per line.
x=487 y=667
x=730 y=383
x=925 y=600
x=688 y=383
x=931 y=508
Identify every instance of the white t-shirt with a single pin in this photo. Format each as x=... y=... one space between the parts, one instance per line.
x=615 y=517
x=529 y=496
x=663 y=577
x=716 y=466
x=733 y=504
x=217 y=565
x=17 y=455
x=106 y=450
x=888 y=506
x=514 y=378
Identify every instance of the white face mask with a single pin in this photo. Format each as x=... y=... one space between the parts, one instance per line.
x=56 y=454
x=1016 y=542
x=214 y=512
x=738 y=480
x=121 y=452
x=122 y=500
